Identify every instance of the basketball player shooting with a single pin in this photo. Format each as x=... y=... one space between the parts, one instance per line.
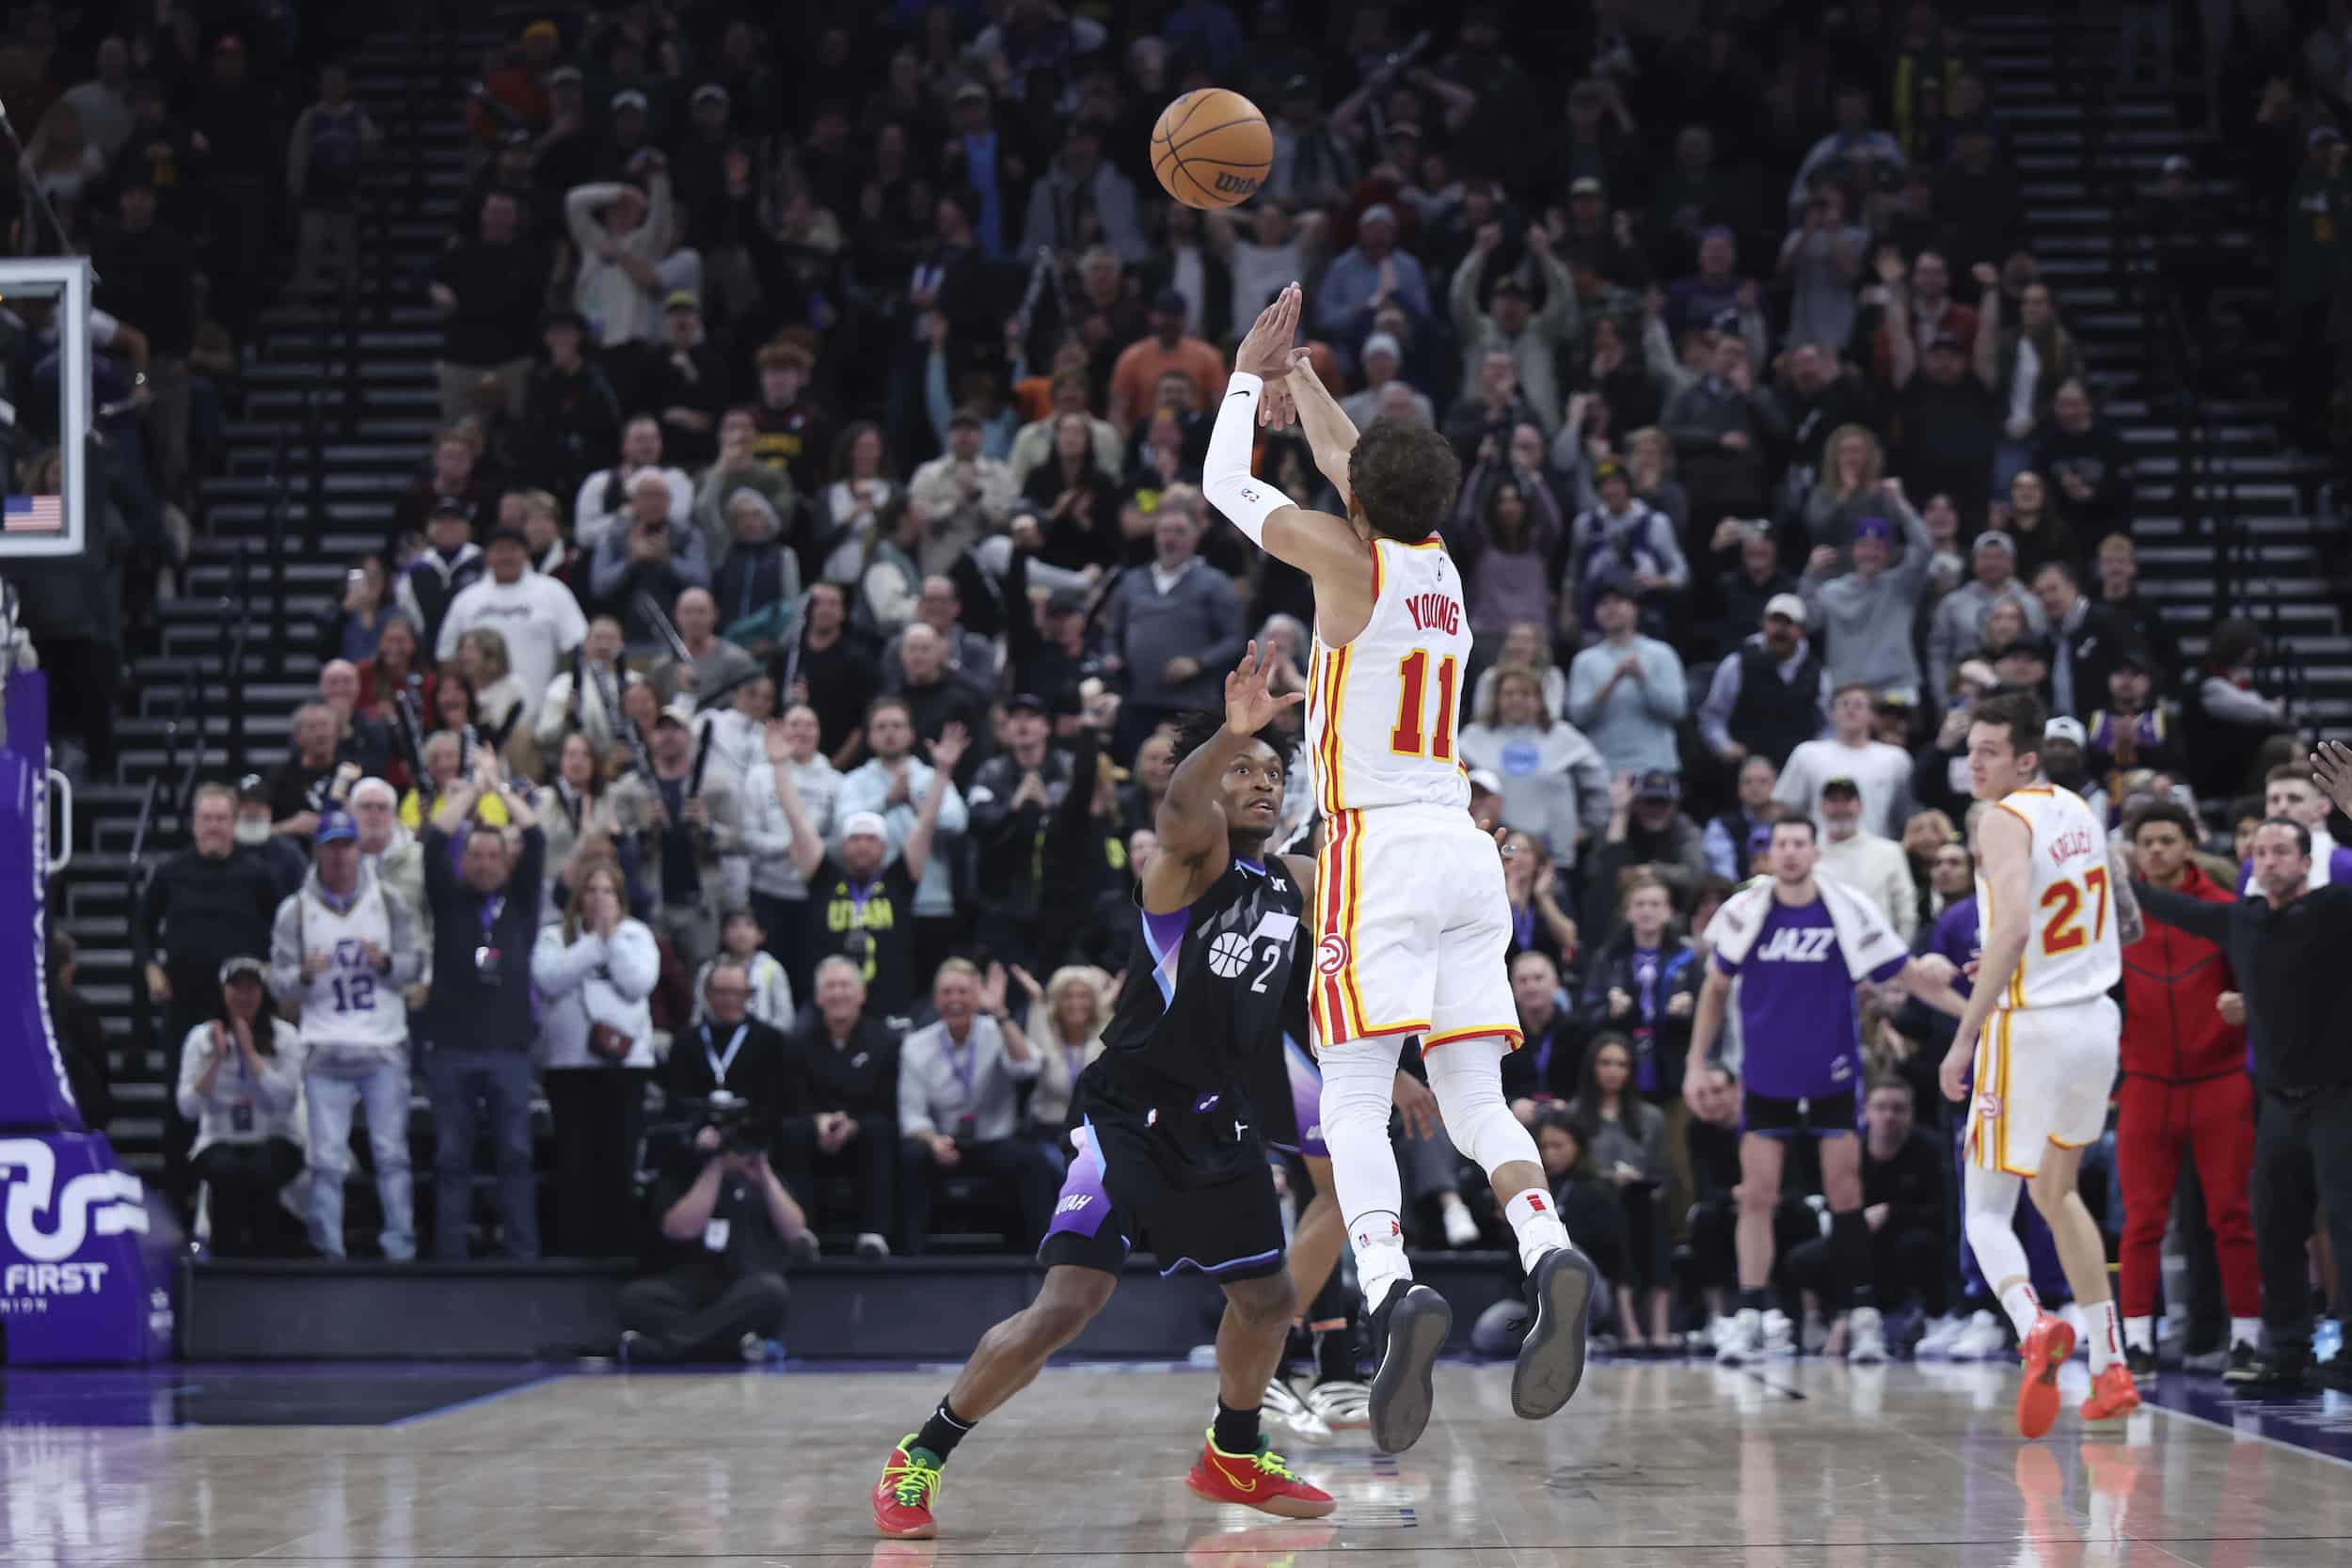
x=2057 y=906
x=1411 y=920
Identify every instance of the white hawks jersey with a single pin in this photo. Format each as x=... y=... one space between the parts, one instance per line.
x=1382 y=712
x=2072 y=951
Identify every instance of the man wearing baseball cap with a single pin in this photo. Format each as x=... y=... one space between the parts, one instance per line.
x=1872 y=865
x=1012 y=798
x=1956 y=630
x=1510 y=322
x=1343 y=303
x=1647 y=828
x=345 y=947
x=1136 y=375
x=1866 y=614
x=688 y=816
x=1770 y=695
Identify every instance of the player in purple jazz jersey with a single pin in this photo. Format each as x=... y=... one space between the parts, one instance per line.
x=1799 y=947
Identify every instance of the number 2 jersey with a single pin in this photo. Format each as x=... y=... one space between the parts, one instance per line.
x=1382 y=711
x=2071 y=953
x=1205 y=988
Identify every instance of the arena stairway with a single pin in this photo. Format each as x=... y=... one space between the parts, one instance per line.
x=371 y=430
x=2087 y=148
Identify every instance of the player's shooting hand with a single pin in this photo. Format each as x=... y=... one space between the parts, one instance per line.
x=1417 y=1106
x=1250 y=706
x=1264 y=352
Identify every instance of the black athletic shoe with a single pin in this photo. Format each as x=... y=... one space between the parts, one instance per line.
x=2139 y=1363
x=1552 y=1357
x=2335 y=1373
x=2240 y=1364
x=2278 y=1376
x=1411 y=1329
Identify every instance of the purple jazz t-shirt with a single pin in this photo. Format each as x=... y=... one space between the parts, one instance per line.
x=1797 y=1016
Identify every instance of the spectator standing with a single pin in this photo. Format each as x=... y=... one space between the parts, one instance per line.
x=1869 y=864
x=725 y=1225
x=345 y=947
x=1487 y=415
x=1532 y=339
x=1744 y=589
x=450 y=563
x=593 y=972
x=1729 y=838
x=712 y=667
x=687 y=381
x=1771 y=694
x=1363 y=277
x=1627 y=692
x=537 y=616
x=1553 y=781
x=80 y=1034
x=210 y=903
x=738 y=468
x=1957 y=629
x=2085 y=637
x=968 y=495
x=1505 y=532
x=2144 y=625
x=779 y=888
x=481 y=1023
x=1944 y=390
x=489 y=291
x=1013 y=797
x=895 y=784
x=237 y=1084
x=1382 y=360
x=623 y=235
x=571 y=413
x=658 y=555
x=1868 y=614
x=607 y=503
x=1822 y=258
x=1135 y=376
x=1177 y=626
x=2087 y=459
x=1626 y=540
x=1880 y=772
x=586 y=697
x=2184 y=1092
x=957 y=1106
x=687 y=818
x=1721 y=424
x=831 y=669
x=1080 y=196
x=845 y=1070
x=1646 y=830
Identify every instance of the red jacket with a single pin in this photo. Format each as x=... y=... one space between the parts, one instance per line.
x=2170 y=982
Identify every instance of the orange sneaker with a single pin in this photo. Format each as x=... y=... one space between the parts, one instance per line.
x=902 y=1499
x=2045 y=1349
x=2112 y=1393
x=1263 y=1481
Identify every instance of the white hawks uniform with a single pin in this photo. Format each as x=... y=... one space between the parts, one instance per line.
x=1411 y=921
x=2046 y=1062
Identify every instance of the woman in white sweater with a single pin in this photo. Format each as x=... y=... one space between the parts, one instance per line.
x=593 y=972
x=1067 y=1016
x=1554 y=784
x=242 y=1089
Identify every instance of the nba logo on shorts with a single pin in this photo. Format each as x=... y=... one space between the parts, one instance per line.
x=1331 y=954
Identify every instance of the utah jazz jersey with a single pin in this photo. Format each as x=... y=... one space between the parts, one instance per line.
x=2072 y=951
x=1205 y=992
x=1382 y=711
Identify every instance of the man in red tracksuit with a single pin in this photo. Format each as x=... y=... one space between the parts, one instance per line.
x=2185 y=1089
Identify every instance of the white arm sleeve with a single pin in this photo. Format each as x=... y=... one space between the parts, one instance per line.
x=1226 y=479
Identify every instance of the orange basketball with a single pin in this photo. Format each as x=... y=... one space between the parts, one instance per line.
x=1211 y=149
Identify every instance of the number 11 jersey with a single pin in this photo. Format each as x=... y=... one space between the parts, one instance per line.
x=1382 y=711
x=2071 y=953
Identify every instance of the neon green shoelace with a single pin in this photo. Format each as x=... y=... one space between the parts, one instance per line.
x=912 y=1483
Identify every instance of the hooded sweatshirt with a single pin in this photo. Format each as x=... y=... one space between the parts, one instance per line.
x=1553 y=781
x=352 y=1011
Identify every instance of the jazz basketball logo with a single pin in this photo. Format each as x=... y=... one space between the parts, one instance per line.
x=1228 y=954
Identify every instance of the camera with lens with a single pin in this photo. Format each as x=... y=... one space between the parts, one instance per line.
x=730 y=1117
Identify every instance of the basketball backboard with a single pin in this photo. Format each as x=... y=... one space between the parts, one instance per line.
x=44 y=403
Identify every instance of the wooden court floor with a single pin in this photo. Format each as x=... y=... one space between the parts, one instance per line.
x=1793 y=1465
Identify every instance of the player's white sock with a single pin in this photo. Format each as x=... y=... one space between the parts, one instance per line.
x=1381 y=1265
x=2246 y=1331
x=2140 y=1333
x=2106 y=1341
x=1538 y=1227
x=2023 y=1307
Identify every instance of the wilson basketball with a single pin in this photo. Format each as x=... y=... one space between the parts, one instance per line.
x=1211 y=149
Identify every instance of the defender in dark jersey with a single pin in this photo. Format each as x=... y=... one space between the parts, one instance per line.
x=1167 y=1154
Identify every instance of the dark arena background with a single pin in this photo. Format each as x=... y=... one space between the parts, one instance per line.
x=590 y=597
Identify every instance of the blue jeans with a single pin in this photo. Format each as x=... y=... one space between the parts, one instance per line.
x=463 y=1084
x=333 y=1092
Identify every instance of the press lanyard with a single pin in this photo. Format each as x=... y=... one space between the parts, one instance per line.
x=718 y=1064
x=491 y=907
x=859 y=898
x=965 y=1069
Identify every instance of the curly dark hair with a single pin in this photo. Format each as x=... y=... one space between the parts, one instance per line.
x=1404 y=476
x=1196 y=728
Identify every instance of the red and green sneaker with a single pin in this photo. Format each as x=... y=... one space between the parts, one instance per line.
x=1263 y=1481
x=902 y=1499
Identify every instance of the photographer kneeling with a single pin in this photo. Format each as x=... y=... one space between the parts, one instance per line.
x=726 y=1226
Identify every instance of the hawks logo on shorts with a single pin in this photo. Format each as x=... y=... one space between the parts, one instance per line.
x=1331 y=954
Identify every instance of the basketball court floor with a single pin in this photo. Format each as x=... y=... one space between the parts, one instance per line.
x=1792 y=1466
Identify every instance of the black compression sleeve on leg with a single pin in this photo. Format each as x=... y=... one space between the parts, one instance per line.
x=1849 y=1259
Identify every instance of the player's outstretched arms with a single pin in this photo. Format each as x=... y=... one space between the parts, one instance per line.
x=1196 y=844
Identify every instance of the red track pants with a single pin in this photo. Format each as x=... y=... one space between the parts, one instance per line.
x=2213 y=1121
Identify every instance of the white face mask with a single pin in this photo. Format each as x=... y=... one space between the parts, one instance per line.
x=252 y=832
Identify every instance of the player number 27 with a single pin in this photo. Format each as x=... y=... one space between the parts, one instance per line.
x=1409 y=738
x=2064 y=933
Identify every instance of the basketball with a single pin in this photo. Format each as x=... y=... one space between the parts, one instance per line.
x=1211 y=149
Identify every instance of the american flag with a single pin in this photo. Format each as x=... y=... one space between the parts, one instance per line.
x=35 y=515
